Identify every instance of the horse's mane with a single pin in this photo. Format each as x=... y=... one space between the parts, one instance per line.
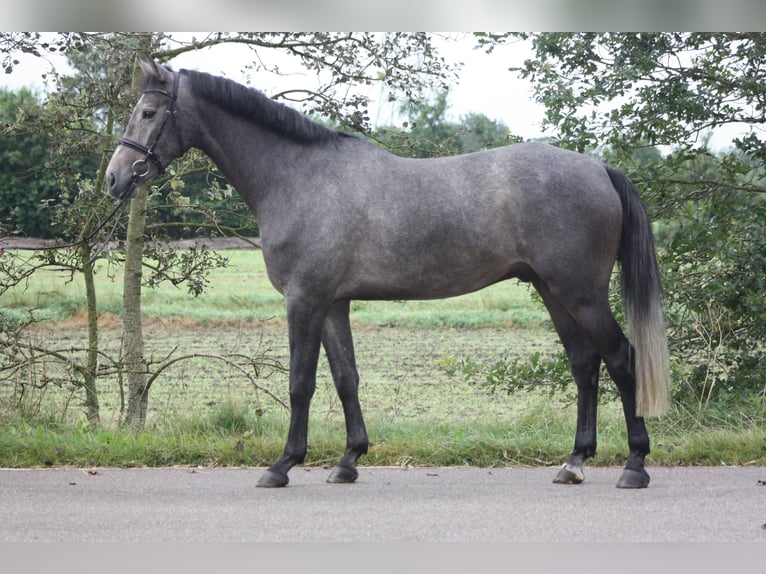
x=259 y=108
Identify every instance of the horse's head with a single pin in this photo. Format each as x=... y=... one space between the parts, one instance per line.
x=152 y=138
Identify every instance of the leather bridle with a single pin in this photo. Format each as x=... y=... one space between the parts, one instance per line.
x=140 y=167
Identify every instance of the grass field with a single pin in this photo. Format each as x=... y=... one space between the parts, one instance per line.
x=204 y=411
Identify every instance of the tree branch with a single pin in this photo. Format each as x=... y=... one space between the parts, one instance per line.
x=227 y=360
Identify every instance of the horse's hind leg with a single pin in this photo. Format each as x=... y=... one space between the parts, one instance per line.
x=605 y=334
x=339 y=346
x=584 y=362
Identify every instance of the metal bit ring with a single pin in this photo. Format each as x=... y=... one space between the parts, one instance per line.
x=140 y=162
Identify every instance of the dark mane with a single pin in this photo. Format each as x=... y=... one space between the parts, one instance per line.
x=259 y=108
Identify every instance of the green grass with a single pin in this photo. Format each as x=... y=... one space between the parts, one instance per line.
x=203 y=412
x=541 y=437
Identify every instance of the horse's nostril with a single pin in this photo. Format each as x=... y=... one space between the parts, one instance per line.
x=112 y=180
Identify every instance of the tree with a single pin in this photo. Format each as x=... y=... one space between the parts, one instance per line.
x=649 y=102
x=81 y=120
x=407 y=63
x=77 y=122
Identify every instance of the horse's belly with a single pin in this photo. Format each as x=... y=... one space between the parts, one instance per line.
x=423 y=278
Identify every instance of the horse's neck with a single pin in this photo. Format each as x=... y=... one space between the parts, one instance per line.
x=249 y=156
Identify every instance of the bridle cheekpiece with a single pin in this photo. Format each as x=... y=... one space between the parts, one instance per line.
x=140 y=167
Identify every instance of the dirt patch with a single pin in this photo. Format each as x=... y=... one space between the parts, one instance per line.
x=80 y=320
x=217 y=243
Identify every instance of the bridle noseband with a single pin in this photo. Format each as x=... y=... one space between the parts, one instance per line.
x=140 y=167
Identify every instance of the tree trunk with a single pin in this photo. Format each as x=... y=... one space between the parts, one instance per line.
x=90 y=371
x=133 y=360
x=134 y=364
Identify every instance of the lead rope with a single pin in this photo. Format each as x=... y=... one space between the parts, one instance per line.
x=117 y=214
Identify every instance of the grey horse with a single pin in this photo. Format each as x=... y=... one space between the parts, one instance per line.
x=342 y=219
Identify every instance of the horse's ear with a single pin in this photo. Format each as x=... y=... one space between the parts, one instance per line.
x=145 y=67
x=150 y=67
x=141 y=68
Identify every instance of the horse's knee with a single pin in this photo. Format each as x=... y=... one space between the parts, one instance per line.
x=301 y=395
x=585 y=372
x=620 y=367
x=347 y=387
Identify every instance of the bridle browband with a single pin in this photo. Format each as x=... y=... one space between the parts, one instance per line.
x=140 y=167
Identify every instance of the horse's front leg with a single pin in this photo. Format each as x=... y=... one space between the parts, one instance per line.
x=305 y=322
x=339 y=346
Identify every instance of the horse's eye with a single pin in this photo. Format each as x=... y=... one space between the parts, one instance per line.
x=148 y=114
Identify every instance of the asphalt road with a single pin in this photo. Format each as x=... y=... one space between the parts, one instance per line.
x=385 y=505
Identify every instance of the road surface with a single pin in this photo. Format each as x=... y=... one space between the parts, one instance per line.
x=385 y=505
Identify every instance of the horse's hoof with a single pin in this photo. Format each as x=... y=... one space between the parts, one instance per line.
x=343 y=474
x=569 y=474
x=633 y=479
x=271 y=479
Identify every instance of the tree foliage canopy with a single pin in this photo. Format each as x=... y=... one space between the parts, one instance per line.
x=652 y=89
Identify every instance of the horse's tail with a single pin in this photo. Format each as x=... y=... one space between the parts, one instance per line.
x=642 y=298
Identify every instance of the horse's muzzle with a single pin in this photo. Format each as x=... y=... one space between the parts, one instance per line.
x=121 y=187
